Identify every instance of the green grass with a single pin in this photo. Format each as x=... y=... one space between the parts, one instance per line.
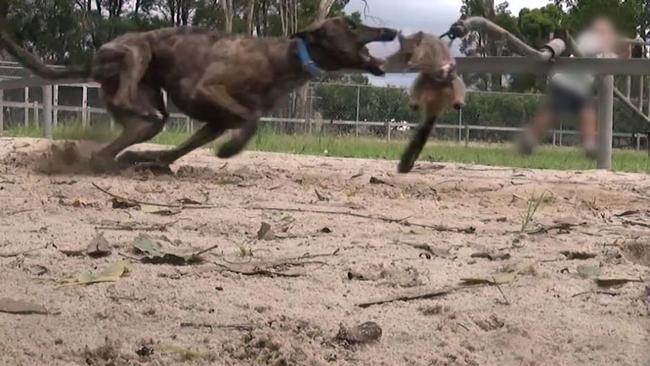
x=561 y=158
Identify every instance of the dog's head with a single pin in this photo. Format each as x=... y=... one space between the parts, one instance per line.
x=339 y=43
x=426 y=54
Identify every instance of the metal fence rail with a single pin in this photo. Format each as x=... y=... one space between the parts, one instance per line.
x=463 y=130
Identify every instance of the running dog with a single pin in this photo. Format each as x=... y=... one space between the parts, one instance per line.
x=224 y=80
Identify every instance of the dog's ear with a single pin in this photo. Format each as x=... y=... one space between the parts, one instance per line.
x=310 y=33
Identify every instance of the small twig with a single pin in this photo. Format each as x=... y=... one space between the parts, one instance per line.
x=138 y=202
x=158 y=227
x=255 y=271
x=15 y=254
x=203 y=251
x=408 y=297
x=16 y=212
x=610 y=293
x=441 y=228
x=636 y=223
x=240 y=327
x=496 y=283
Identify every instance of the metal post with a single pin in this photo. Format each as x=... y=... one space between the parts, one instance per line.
x=648 y=99
x=460 y=125
x=55 y=106
x=47 y=111
x=84 y=106
x=638 y=142
x=561 y=132
x=466 y=135
x=37 y=120
x=2 y=111
x=388 y=130
x=26 y=107
x=628 y=86
x=554 y=136
x=605 y=120
x=188 y=124
x=641 y=87
x=356 y=125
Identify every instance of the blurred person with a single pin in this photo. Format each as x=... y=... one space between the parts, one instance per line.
x=571 y=94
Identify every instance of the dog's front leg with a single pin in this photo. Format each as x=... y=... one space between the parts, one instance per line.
x=239 y=141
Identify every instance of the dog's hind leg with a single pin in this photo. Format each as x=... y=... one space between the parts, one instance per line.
x=205 y=135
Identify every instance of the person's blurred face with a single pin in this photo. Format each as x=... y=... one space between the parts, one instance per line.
x=606 y=31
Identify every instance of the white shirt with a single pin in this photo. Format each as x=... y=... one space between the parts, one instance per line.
x=590 y=45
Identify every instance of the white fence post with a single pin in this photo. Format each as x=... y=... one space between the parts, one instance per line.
x=26 y=107
x=641 y=89
x=37 y=119
x=356 y=125
x=605 y=120
x=84 y=106
x=2 y=111
x=47 y=111
x=55 y=106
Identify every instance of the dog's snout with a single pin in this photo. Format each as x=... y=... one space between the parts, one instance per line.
x=387 y=35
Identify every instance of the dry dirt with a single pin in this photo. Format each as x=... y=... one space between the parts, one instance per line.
x=275 y=301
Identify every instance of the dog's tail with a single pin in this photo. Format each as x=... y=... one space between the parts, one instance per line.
x=37 y=66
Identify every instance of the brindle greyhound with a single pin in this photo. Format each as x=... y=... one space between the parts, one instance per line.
x=436 y=88
x=227 y=81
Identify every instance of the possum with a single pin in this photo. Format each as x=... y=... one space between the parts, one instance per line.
x=436 y=89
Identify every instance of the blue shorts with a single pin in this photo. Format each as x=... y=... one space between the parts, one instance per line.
x=564 y=102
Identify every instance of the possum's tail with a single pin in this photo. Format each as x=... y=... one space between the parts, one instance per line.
x=412 y=152
x=38 y=67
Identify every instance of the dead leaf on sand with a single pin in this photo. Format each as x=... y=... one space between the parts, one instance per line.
x=496 y=279
x=121 y=203
x=588 y=271
x=98 y=247
x=615 y=282
x=156 y=252
x=571 y=255
x=112 y=273
x=491 y=256
x=21 y=307
x=265 y=232
x=157 y=210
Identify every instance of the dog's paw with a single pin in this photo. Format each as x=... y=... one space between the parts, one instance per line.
x=103 y=164
x=229 y=149
x=405 y=167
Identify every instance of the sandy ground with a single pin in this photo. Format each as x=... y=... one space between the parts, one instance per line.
x=282 y=299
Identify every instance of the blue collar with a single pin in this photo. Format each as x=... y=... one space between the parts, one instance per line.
x=305 y=59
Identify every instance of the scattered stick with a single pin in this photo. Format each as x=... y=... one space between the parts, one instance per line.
x=17 y=253
x=240 y=327
x=130 y=227
x=410 y=297
x=16 y=212
x=253 y=270
x=560 y=226
x=636 y=223
x=631 y=212
x=440 y=228
x=496 y=283
x=610 y=293
x=157 y=204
